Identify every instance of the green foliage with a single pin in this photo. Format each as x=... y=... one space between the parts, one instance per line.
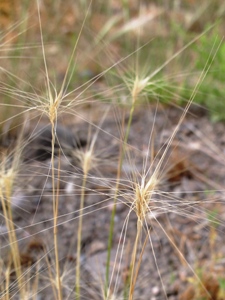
x=210 y=52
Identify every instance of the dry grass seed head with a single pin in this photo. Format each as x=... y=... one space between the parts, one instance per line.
x=86 y=160
x=138 y=87
x=10 y=165
x=143 y=196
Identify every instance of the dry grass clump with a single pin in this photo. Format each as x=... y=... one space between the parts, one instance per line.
x=70 y=182
x=10 y=165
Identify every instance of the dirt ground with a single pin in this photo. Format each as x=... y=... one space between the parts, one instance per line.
x=184 y=252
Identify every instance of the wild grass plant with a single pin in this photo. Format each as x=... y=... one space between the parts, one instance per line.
x=74 y=176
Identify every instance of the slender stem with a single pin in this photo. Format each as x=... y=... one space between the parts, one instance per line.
x=79 y=237
x=7 y=211
x=133 y=260
x=55 y=198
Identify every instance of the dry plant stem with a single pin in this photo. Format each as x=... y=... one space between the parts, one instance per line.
x=7 y=211
x=135 y=271
x=139 y=260
x=51 y=279
x=55 y=200
x=79 y=236
x=133 y=259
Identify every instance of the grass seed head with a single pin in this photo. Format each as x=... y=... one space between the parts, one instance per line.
x=143 y=196
x=138 y=87
x=86 y=160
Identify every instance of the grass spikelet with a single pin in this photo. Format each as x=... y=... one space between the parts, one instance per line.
x=142 y=202
x=10 y=166
x=138 y=87
x=142 y=197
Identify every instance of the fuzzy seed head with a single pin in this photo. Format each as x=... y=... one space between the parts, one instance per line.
x=86 y=159
x=139 y=86
x=54 y=107
x=143 y=196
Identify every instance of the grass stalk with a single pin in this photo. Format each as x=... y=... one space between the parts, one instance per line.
x=79 y=237
x=86 y=162
x=7 y=212
x=55 y=201
x=121 y=158
x=8 y=176
x=133 y=259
